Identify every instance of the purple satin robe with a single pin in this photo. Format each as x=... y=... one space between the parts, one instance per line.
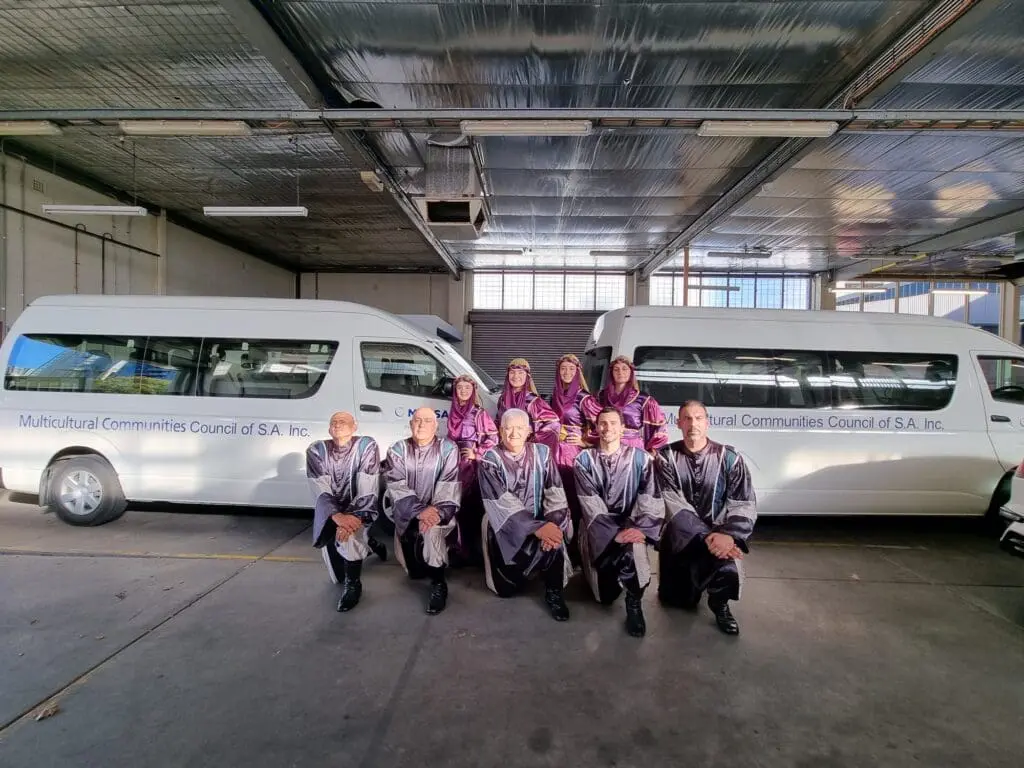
x=345 y=479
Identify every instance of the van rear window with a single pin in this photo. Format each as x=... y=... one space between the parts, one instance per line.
x=806 y=379
x=272 y=369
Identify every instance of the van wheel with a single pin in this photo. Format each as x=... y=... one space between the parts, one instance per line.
x=992 y=523
x=84 y=490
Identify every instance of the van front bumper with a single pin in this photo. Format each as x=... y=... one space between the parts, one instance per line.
x=1012 y=514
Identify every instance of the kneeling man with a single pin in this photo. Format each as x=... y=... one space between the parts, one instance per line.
x=422 y=479
x=711 y=510
x=622 y=514
x=527 y=524
x=344 y=473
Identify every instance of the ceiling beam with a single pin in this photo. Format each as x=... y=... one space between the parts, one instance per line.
x=997 y=226
x=316 y=93
x=961 y=18
x=939 y=18
x=354 y=115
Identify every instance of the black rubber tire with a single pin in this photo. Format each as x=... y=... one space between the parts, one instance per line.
x=992 y=524
x=112 y=503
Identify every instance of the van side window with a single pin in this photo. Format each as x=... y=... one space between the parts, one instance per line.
x=734 y=378
x=892 y=381
x=269 y=369
x=403 y=369
x=1005 y=377
x=73 y=363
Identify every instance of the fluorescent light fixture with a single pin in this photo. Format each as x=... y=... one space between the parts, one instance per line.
x=255 y=210
x=184 y=127
x=768 y=128
x=28 y=128
x=95 y=210
x=713 y=287
x=525 y=127
x=958 y=292
x=755 y=254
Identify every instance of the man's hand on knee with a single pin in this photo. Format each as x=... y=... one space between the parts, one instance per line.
x=720 y=545
x=630 y=536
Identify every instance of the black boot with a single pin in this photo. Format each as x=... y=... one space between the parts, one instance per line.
x=438 y=591
x=556 y=604
x=378 y=548
x=352 y=587
x=723 y=616
x=635 y=624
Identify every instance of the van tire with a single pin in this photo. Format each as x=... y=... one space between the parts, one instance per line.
x=992 y=523
x=84 y=491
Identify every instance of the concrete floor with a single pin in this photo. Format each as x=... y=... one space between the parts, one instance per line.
x=185 y=639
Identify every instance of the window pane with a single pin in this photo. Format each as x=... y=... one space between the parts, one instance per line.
x=769 y=292
x=661 y=291
x=518 y=293
x=171 y=366
x=595 y=366
x=579 y=292
x=404 y=369
x=734 y=377
x=548 y=291
x=899 y=382
x=741 y=293
x=71 y=363
x=714 y=291
x=265 y=368
x=1005 y=378
x=486 y=291
x=951 y=305
x=610 y=292
x=796 y=293
x=883 y=301
x=914 y=298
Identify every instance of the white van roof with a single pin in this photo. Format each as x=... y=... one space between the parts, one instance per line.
x=778 y=315
x=233 y=303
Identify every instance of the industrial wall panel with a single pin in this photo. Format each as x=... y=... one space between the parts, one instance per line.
x=198 y=266
x=540 y=337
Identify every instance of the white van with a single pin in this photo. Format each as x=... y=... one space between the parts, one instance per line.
x=837 y=413
x=202 y=400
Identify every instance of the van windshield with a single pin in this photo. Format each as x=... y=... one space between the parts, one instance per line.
x=489 y=384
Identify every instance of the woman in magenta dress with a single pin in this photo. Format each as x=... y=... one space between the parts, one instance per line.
x=520 y=392
x=472 y=429
x=577 y=411
x=645 y=423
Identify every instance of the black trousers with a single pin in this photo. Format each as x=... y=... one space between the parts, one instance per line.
x=616 y=567
x=685 y=576
x=510 y=578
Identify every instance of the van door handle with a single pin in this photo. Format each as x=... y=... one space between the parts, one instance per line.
x=997 y=417
x=376 y=408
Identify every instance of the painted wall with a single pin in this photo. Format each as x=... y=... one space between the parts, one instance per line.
x=403 y=294
x=38 y=258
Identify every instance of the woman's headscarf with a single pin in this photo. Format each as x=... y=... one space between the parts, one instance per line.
x=628 y=394
x=564 y=395
x=459 y=412
x=509 y=397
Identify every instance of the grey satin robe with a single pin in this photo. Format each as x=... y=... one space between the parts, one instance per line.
x=617 y=491
x=418 y=477
x=347 y=480
x=520 y=494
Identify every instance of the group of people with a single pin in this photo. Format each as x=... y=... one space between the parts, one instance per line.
x=587 y=481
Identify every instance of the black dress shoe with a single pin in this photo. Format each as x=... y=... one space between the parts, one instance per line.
x=378 y=549
x=636 y=626
x=724 y=618
x=556 y=604
x=438 y=597
x=352 y=587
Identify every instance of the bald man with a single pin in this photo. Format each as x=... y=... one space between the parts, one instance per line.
x=344 y=474
x=422 y=480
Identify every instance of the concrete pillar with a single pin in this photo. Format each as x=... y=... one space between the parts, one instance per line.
x=1009 y=311
x=821 y=296
x=641 y=290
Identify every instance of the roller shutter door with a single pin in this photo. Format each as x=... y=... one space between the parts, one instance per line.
x=540 y=337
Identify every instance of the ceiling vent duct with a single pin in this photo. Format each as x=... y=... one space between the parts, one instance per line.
x=453 y=206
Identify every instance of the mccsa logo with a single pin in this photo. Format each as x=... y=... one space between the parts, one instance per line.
x=441 y=414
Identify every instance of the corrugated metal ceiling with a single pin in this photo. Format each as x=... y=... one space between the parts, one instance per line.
x=622 y=193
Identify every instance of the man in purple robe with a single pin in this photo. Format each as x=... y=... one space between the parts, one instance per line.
x=711 y=511
x=344 y=474
x=422 y=479
x=521 y=393
x=527 y=525
x=622 y=514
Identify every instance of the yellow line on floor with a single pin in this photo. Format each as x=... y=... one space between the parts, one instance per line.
x=155 y=555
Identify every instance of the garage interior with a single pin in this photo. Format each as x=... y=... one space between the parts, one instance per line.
x=505 y=168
